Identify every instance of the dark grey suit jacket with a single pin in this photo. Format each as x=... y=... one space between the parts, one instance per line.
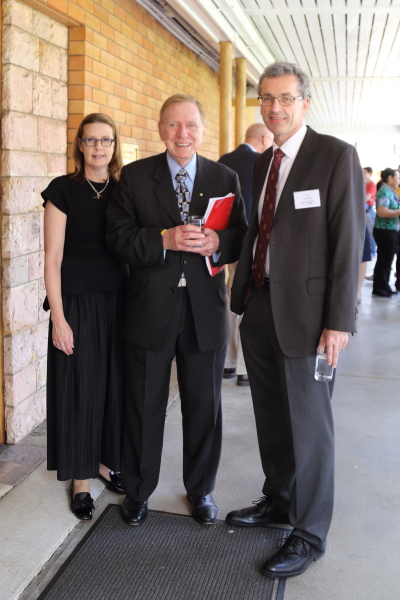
x=242 y=162
x=314 y=252
x=144 y=204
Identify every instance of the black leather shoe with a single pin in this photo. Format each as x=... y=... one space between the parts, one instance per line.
x=243 y=381
x=229 y=373
x=134 y=512
x=81 y=504
x=264 y=511
x=293 y=558
x=204 y=509
x=114 y=484
x=382 y=294
x=393 y=291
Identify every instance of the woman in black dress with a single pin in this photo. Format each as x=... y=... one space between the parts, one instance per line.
x=85 y=284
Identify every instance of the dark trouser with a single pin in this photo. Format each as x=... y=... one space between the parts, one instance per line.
x=386 y=240
x=147 y=386
x=370 y=221
x=294 y=424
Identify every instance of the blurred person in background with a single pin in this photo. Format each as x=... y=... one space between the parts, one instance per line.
x=370 y=190
x=366 y=257
x=386 y=231
x=397 y=274
x=258 y=139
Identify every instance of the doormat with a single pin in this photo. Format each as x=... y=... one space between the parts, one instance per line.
x=169 y=557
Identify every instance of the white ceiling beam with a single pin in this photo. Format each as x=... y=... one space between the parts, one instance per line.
x=339 y=10
x=369 y=130
x=395 y=80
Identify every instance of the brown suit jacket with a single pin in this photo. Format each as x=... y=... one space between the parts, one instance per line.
x=314 y=252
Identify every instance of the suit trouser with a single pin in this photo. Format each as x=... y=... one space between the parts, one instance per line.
x=294 y=424
x=234 y=356
x=147 y=387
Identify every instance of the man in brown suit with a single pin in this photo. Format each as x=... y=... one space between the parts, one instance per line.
x=296 y=283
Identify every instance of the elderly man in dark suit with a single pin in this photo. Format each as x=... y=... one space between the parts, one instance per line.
x=258 y=139
x=174 y=307
x=296 y=282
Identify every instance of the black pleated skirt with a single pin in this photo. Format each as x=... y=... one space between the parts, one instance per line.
x=85 y=389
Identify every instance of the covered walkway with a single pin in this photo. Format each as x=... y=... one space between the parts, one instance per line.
x=361 y=563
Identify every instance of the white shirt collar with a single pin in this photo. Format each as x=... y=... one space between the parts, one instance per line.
x=292 y=145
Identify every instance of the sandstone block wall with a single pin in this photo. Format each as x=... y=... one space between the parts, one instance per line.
x=34 y=144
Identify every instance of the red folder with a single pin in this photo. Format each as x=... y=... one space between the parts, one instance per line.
x=217 y=217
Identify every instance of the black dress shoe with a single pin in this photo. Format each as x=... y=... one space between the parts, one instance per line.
x=81 y=504
x=293 y=558
x=229 y=373
x=243 y=381
x=382 y=294
x=114 y=484
x=204 y=509
x=134 y=512
x=393 y=292
x=263 y=512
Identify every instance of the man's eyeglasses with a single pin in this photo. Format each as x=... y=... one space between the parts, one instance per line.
x=268 y=100
x=92 y=141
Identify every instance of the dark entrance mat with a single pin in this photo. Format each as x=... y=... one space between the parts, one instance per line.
x=170 y=557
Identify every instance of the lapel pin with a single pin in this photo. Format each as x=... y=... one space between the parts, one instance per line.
x=201 y=193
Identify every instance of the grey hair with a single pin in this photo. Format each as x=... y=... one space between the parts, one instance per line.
x=279 y=68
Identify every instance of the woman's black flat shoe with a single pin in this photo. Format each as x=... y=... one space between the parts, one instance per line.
x=115 y=483
x=82 y=505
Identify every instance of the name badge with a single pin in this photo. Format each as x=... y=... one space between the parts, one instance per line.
x=307 y=199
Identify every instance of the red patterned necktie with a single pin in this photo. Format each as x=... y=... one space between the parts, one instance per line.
x=267 y=217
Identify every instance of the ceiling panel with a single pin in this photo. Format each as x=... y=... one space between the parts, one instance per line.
x=346 y=47
x=350 y=49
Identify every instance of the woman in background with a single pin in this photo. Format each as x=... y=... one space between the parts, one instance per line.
x=366 y=257
x=385 y=231
x=85 y=284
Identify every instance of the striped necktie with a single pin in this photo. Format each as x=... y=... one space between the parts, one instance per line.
x=267 y=217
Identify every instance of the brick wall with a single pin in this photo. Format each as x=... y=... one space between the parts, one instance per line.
x=34 y=136
x=124 y=63
x=119 y=60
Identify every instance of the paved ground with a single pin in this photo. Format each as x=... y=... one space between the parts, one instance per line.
x=362 y=560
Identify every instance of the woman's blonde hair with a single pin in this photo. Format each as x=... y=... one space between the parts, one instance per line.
x=115 y=164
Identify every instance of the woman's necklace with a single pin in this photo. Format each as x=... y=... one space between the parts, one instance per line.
x=98 y=194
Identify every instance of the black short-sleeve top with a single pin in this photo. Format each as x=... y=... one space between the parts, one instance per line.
x=88 y=265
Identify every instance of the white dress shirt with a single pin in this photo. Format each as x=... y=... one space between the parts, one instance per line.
x=290 y=148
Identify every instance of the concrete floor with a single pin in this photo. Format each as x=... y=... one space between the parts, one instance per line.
x=362 y=560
